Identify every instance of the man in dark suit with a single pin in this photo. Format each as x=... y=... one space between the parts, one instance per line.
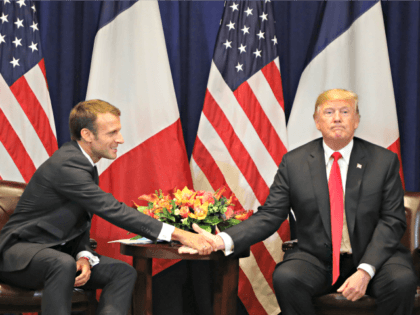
x=46 y=240
x=352 y=251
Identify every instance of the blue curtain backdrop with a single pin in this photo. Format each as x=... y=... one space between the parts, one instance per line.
x=68 y=28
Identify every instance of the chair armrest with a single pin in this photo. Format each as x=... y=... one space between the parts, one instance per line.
x=93 y=243
x=289 y=245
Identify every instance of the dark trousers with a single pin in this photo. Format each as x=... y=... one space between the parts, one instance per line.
x=297 y=281
x=55 y=272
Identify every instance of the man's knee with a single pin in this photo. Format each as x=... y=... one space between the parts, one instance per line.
x=63 y=268
x=404 y=282
x=284 y=278
x=126 y=272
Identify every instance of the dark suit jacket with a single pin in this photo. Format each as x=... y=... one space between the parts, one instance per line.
x=374 y=206
x=57 y=206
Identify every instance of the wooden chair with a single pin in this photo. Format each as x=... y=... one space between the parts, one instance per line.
x=17 y=300
x=335 y=303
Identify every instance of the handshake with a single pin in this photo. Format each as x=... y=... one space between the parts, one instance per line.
x=202 y=243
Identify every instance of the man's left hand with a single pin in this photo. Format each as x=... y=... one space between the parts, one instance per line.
x=355 y=286
x=82 y=265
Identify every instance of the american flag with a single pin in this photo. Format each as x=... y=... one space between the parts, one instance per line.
x=27 y=129
x=242 y=133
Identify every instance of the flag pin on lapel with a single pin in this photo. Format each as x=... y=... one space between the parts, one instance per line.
x=359 y=165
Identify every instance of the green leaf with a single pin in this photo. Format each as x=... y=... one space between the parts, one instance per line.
x=205 y=227
x=142 y=208
x=213 y=220
x=136 y=237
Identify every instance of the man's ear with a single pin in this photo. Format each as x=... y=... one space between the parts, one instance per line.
x=87 y=135
x=316 y=120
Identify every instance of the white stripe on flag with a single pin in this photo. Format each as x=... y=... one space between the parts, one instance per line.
x=38 y=85
x=8 y=169
x=199 y=178
x=224 y=97
x=234 y=178
x=259 y=284
x=21 y=125
x=269 y=104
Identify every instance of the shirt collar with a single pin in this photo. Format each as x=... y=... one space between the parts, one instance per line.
x=85 y=154
x=345 y=152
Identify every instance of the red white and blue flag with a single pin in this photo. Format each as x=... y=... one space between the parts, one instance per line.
x=130 y=69
x=242 y=134
x=27 y=129
x=350 y=52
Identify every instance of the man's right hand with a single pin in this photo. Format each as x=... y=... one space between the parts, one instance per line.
x=220 y=245
x=202 y=244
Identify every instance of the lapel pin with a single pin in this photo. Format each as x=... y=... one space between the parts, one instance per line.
x=359 y=165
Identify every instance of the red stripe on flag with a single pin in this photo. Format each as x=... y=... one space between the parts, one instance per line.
x=236 y=149
x=247 y=296
x=395 y=147
x=265 y=261
x=260 y=121
x=273 y=77
x=35 y=113
x=41 y=65
x=210 y=169
x=158 y=163
x=15 y=148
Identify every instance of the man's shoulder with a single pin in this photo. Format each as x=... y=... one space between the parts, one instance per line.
x=305 y=149
x=69 y=154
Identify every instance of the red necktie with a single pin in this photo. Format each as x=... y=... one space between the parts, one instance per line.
x=336 y=202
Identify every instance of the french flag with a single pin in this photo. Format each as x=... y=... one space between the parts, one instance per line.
x=350 y=52
x=130 y=69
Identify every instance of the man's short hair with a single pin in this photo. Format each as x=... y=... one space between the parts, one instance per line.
x=336 y=94
x=84 y=115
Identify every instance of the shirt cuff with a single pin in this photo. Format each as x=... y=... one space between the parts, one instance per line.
x=93 y=260
x=228 y=243
x=166 y=232
x=368 y=268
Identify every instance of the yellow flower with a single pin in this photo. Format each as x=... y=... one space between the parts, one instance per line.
x=200 y=210
x=184 y=197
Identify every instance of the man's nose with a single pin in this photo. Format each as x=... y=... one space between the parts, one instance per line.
x=120 y=138
x=337 y=116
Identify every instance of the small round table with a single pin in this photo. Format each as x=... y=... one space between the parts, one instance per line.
x=225 y=287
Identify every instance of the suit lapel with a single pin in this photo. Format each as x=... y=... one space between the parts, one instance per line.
x=95 y=175
x=316 y=160
x=357 y=165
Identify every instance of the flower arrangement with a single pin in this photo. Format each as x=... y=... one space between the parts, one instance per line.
x=185 y=207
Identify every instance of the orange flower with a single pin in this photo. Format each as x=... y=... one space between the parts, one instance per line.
x=150 y=198
x=242 y=215
x=219 y=192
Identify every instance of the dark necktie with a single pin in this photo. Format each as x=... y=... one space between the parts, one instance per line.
x=95 y=175
x=335 y=187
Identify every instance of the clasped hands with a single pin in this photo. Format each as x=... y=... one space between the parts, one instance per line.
x=202 y=243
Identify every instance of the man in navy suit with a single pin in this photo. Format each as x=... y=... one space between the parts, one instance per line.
x=46 y=240
x=371 y=258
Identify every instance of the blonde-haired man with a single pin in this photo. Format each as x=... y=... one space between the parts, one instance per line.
x=46 y=241
x=347 y=196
